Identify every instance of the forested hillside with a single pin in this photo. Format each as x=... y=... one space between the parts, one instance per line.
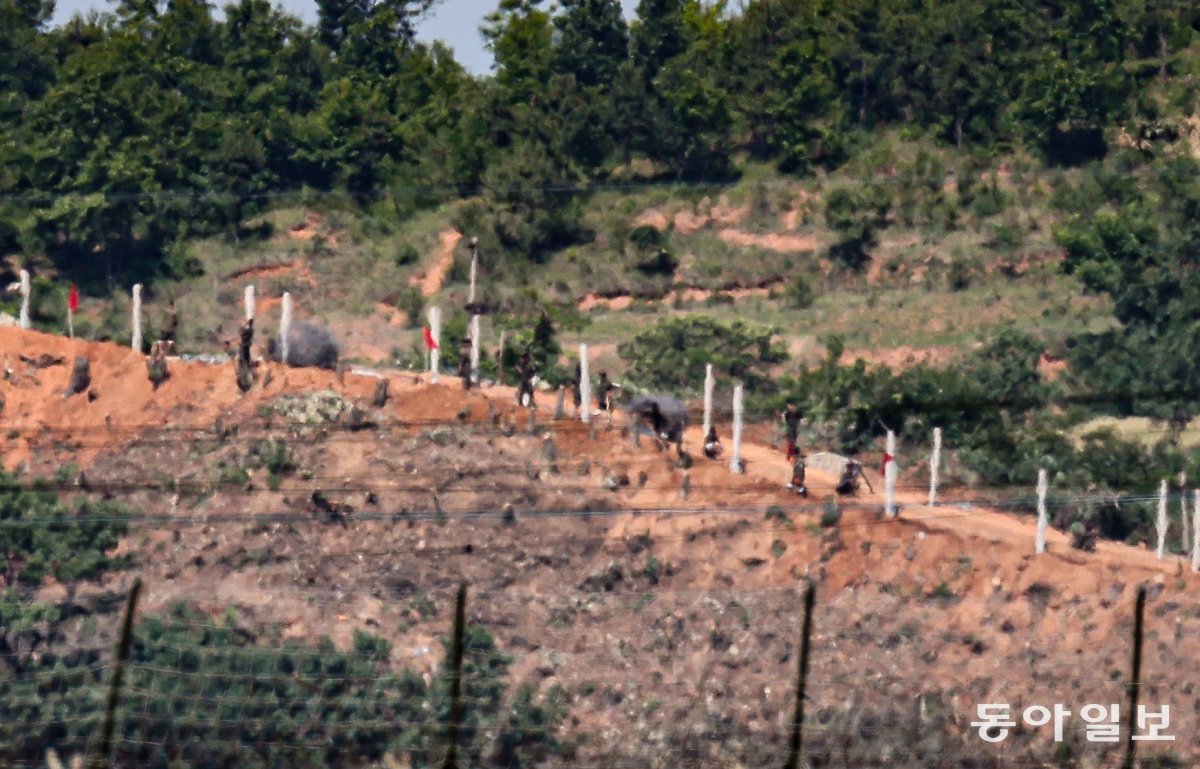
x=127 y=133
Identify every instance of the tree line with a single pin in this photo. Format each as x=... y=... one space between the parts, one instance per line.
x=126 y=133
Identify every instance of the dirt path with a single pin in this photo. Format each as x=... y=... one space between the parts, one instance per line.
x=971 y=522
x=430 y=282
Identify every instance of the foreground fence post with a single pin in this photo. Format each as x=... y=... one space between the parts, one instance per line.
x=285 y=327
x=735 y=463
x=934 y=463
x=1162 y=518
x=709 y=385
x=136 y=341
x=435 y=331
x=797 y=743
x=1135 y=679
x=585 y=386
x=456 y=664
x=114 y=687
x=25 y=291
x=889 y=475
x=1040 y=544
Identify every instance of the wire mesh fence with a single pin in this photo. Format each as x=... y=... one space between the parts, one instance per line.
x=584 y=677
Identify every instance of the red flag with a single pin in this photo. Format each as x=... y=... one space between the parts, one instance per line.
x=886 y=458
x=73 y=298
x=429 y=341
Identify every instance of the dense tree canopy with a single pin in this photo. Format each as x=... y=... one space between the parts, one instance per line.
x=129 y=131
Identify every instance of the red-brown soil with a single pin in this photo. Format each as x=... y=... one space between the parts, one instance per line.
x=670 y=622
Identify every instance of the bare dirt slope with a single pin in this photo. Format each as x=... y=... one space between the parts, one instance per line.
x=670 y=621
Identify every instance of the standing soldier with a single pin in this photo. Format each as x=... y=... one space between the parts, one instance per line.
x=576 y=385
x=464 y=362
x=791 y=416
x=246 y=341
x=604 y=394
x=526 y=370
x=169 y=328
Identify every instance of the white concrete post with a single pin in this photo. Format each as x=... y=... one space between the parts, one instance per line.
x=1162 y=518
x=285 y=327
x=585 y=386
x=934 y=462
x=889 y=475
x=709 y=383
x=474 y=267
x=474 y=316
x=435 y=330
x=1184 y=535
x=25 y=291
x=735 y=462
x=1196 y=530
x=1040 y=543
x=248 y=301
x=136 y=342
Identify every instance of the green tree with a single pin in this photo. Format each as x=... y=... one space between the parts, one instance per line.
x=672 y=355
x=856 y=214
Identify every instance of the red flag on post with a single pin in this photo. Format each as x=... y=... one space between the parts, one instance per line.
x=429 y=341
x=886 y=458
x=73 y=298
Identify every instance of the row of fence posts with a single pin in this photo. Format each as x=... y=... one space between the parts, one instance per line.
x=890 y=468
x=1189 y=523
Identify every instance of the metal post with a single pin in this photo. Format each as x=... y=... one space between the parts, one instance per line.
x=1162 y=518
x=735 y=463
x=709 y=385
x=25 y=291
x=456 y=664
x=285 y=327
x=1135 y=679
x=797 y=744
x=889 y=475
x=136 y=341
x=1184 y=534
x=1196 y=530
x=934 y=465
x=435 y=330
x=114 y=687
x=1040 y=544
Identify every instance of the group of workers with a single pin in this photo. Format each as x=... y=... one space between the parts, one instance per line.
x=852 y=472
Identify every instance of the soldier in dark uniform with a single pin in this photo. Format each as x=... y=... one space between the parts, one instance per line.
x=526 y=370
x=791 y=416
x=712 y=444
x=247 y=339
x=852 y=475
x=464 y=362
x=798 y=473
x=576 y=387
x=169 y=328
x=605 y=392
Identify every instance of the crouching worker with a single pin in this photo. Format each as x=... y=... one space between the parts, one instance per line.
x=712 y=444
x=851 y=477
x=797 y=484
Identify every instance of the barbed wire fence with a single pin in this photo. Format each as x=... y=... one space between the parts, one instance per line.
x=583 y=677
